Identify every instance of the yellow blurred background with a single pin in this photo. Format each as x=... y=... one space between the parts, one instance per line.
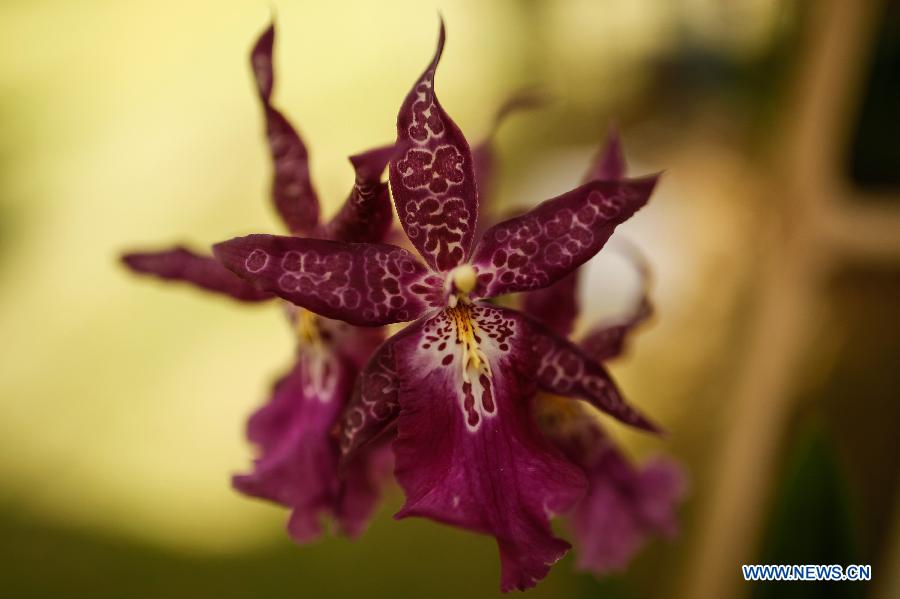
x=774 y=237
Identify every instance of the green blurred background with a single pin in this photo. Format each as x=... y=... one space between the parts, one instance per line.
x=775 y=238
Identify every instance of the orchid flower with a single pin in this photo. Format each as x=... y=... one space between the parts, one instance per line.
x=297 y=464
x=454 y=387
x=624 y=504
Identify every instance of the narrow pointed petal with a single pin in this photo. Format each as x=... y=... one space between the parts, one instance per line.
x=607 y=341
x=374 y=407
x=205 y=272
x=467 y=451
x=556 y=306
x=545 y=244
x=292 y=190
x=360 y=283
x=366 y=215
x=432 y=177
x=564 y=369
x=609 y=165
x=297 y=466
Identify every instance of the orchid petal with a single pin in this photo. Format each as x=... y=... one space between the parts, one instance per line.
x=292 y=190
x=374 y=407
x=543 y=245
x=364 y=284
x=432 y=177
x=625 y=504
x=366 y=215
x=557 y=305
x=361 y=481
x=607 y=341
x=564 y=369
x=609 y=165
x=298 y=466
x=181 y=264
x=467 y=451
x=624 y=507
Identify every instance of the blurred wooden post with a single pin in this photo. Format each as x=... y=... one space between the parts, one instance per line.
x=818 y=226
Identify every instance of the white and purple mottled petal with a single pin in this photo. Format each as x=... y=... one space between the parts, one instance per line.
x=364 y=284
x=432 y=176
x=366 y=215
x=374 y=406
x=298 y=462
x=564 y=369
x=543 y=245
x=467 y=450
x=292 y=190
x=557 y=305
x=181 y=264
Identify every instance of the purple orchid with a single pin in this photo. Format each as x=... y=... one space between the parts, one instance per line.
x=298 y=453
x=454 y=387
x=624 y=504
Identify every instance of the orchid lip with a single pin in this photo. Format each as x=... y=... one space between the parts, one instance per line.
x=474 y=361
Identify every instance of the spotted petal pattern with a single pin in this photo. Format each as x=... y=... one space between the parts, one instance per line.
x=468 y=453
x=205 y=272
x=432 y=178
x=374 y=407
x=362 y=284
x=366 y=215
x=292 y=189
x=543 y=245
x=557 y=305
x=564 y=369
